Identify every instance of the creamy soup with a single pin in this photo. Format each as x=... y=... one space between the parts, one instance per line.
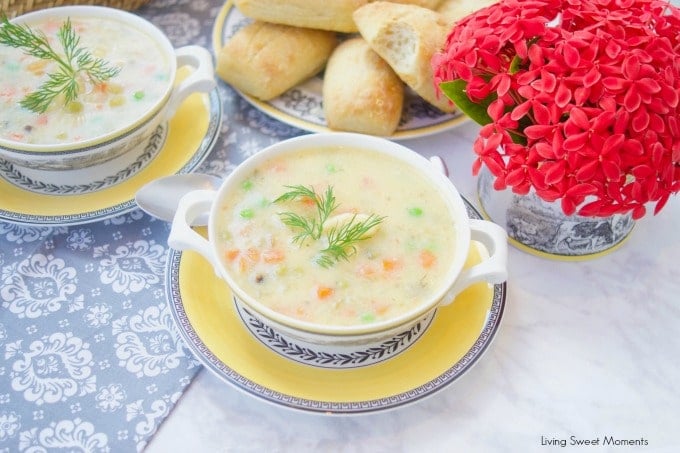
x=99 y=109
x=395 y=265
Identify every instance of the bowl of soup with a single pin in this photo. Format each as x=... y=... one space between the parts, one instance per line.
x=339 y=240
x=112 y=113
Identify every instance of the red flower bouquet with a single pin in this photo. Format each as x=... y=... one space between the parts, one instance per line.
x=579 y=100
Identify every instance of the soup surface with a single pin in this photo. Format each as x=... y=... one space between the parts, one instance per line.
x=100 y=108
x=393 y=267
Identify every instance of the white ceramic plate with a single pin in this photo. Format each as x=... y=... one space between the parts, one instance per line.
x=176 y=148
x=301 y=106
x=204 y=312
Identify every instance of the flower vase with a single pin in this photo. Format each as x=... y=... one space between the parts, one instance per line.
x=542 y=228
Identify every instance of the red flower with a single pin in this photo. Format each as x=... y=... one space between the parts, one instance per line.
x=579 y=99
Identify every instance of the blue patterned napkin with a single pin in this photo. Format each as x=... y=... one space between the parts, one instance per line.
x=90 y=357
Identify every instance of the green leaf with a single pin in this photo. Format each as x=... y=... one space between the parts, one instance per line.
x=456 y=91
x=515 y=65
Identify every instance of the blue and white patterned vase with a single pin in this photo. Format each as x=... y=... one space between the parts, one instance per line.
x=541 y=228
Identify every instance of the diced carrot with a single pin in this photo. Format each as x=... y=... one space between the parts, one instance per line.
x=231 y=254
x=366 y=270
x=308 y=201
x=427 y=259
x=390 y=264
x=279 y=167
x=246 y=258
x=271 y=256
x=323 y=292
x=380 y=308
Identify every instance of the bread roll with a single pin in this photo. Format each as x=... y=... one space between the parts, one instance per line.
x=406 y=36
x=334 y=15
x=455 y=10
x=264 y=60
x=361 y=92
x=429 y=4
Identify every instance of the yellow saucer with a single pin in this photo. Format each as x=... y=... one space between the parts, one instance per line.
x=190 y=138
x=205 y=314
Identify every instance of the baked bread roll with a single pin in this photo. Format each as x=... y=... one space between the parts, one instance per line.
x=334 y=15
x=455 y=10
x=361 y=92
x=429 y=4
x=406 y=36
x=265 y=60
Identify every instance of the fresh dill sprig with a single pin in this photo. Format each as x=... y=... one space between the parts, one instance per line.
x=325 y=204
x=341 y=239
x=74 y=62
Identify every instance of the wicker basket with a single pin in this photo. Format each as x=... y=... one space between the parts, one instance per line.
x=15 y=8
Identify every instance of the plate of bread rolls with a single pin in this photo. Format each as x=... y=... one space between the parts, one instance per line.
x=346 y=65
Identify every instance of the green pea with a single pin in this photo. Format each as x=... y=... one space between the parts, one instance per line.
x=138 y=95
x=247 y=213
x=415 y=211
x=247 y=184
x=331 y=168
x=368 y=317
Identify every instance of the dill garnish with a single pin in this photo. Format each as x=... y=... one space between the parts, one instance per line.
x=341 y=239
x=74 y=63
x=325 y=204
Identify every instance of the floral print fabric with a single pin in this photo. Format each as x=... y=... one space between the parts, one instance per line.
x=90 y=357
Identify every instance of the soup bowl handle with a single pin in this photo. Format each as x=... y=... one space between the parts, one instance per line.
x=182 y=236
x=201 y=79
x=493 y=269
